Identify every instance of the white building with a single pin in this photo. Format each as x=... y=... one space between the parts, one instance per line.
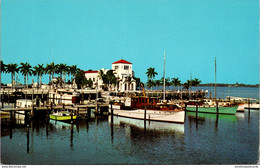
x=123 y=72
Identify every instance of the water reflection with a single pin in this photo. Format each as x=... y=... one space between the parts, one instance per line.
x=71 y=136
x=121 y=140
x=28 y=139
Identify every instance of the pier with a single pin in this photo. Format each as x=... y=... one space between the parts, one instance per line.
x=79 y=110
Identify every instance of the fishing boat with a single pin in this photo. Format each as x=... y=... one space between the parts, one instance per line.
x=62 y=116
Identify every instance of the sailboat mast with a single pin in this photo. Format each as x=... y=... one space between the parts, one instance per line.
x=164 y=78
x=215 y=78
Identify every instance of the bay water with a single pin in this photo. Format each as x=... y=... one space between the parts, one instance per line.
x=207 y=139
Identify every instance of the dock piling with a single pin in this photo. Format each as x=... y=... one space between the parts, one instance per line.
x=196 y=110
x=77 y=112
x=71 y=115
x=32 y=111
x=145 y=114
x=248 y=110
x=217 y=108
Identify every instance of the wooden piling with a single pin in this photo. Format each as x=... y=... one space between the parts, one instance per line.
x=32 y=111
x=145 y=114
x=89 y=112
x=185 y=112
x=47 y=113
x=196 y=109
x=26 y=116
x=12 y=115
x=71 y=115
x=248 y=101
x=63 y=106
x=51 y=106
x=77 y=112
x=217 y=108
x=112 y=111
x=28 y=139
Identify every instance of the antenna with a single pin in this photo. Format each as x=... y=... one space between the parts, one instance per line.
x=164 y=78
x=215 y=78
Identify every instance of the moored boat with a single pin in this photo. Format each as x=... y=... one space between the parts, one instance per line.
x=137 y=107
x=213 y=108
x=62 y=116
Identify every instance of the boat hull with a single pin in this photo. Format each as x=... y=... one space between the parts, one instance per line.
x=62 y=118
x=222 y=110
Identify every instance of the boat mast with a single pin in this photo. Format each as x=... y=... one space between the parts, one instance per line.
x=215 y=78
x=164 y=78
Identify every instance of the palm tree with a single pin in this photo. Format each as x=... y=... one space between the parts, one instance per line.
x=50 y=69
x=167 y=82
x=2 y=69
x=195 y=83
x=158 y=83
x=187 y=85
x=112 y=80
x=39 y=71
x=73 y=70
x=63 y=69
x=26 y=70
x=102 y=75
x=12 y=68
x=138 y=82
x=150 y=83
x=151 y=73
x=175 y=82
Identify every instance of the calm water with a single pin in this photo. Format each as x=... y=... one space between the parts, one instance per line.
x=222 y=92
x=228 y=140
x=207 y=140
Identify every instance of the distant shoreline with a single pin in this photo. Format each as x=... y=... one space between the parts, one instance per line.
x=229 y=85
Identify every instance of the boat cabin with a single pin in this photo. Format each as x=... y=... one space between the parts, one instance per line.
x=152 y=103
x=24 y=103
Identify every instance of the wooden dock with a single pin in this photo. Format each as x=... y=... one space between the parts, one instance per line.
x=79 y=110
x=152 y=115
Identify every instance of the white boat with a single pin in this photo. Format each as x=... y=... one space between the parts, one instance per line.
x=22 y=103
x=64 y=96
x=152 y=125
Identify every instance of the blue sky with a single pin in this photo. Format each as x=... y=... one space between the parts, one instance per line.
x=94 y=33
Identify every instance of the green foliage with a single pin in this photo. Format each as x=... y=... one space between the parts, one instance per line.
x=150 y=83
x=151 y=73
x=80 y=79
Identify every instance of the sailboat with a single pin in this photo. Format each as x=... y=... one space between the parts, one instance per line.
x=210 y=106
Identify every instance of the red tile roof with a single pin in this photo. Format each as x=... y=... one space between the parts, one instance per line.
x=122 y=62
x=90 y=71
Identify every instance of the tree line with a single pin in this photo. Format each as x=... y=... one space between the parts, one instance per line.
x=62 y=70
x=39 y=70
x=151 y=82
x=108 y=78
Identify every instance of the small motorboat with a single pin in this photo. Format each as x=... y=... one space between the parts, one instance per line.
x=63 y=116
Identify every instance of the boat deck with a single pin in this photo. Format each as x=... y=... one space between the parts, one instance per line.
x=152 y=115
